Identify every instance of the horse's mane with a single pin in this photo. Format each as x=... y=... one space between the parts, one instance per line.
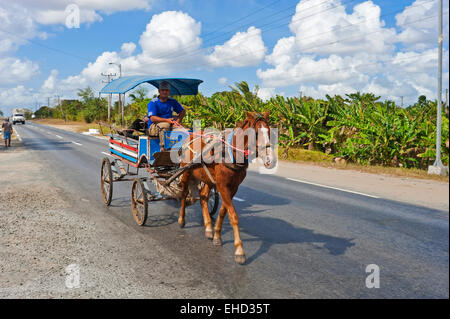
x=251 y=121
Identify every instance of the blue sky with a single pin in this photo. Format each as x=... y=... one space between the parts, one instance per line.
x=40 y=46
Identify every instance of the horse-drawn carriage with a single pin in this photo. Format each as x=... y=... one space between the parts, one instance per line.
x=144 y=152
x=161 y=182
x=187 y=179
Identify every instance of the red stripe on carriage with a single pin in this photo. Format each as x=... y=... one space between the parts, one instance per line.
x=124 y=145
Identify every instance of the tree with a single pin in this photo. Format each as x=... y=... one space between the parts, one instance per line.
x=1 y=113
x=86 y=94
x=139 y=94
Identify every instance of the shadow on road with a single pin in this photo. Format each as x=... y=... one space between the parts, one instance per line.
x=38 y=145
x=266 y=230
x=271 y=231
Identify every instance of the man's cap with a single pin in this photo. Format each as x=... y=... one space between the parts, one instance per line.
x=164 y=85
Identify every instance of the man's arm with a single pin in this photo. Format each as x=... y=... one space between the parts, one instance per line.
x=157 y=119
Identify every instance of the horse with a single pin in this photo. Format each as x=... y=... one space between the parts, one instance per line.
x=226 y=177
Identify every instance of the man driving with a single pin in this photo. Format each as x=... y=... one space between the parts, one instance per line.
x=160 y=113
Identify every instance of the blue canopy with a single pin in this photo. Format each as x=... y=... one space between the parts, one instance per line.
x=127 y=83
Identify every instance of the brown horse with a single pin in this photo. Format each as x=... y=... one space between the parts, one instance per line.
x=226 y=177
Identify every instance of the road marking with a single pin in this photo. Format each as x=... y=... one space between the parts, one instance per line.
x=77 y=143
x=239 y=199
x=326 y=186
x=18 y=136
x=107 y=154
x=58 y=136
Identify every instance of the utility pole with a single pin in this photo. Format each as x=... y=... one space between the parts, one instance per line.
x=109 y=79
x=48 y=106
x=60 y=107
x=438 y=168
x=120 y=99
x=402 y=101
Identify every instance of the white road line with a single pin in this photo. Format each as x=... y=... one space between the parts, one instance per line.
x=77 y=143
x=326 y=186
x=58 y=136
x=239 y=199
x=106 y=154
x=18 y=136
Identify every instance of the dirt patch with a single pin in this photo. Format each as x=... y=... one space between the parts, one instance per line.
x=48 y=235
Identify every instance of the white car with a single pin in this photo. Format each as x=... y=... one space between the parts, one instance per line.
x=18 y=118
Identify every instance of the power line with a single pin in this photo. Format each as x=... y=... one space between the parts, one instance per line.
x=321 y=45
x=261 y=27
x=47 y=47
x=361 y=65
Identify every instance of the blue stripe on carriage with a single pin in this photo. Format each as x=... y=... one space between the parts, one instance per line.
x=131 y=159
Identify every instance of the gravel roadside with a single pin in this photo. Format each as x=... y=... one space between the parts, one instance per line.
x=47 y=238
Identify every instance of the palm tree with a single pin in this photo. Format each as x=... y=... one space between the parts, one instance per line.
x=138 y=95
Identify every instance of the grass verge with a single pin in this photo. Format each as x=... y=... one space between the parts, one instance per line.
x=325 y=160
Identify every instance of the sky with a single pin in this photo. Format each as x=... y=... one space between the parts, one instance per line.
x=285 y=47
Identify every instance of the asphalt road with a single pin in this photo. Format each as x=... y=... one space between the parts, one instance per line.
x=301 y=241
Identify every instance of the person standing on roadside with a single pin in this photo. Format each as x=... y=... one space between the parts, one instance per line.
x=7 y=131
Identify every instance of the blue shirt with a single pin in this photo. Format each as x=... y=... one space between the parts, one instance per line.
x=165 y=110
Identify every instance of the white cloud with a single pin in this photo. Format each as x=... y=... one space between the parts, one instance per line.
x=318 y=25
x=17 y=96
x=13 y=70
x=50 y=83
x=166 y=33
x=17 y=26
x=418 y=24
x=127 y=49
x=223 y=80
x=243 y=49
x=266 y=93
x=53 y=11
x=335 y=52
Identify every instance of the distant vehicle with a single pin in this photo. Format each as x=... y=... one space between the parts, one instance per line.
x=18 y=118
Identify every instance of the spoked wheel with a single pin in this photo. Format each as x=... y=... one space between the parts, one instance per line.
x=139 y=202
x=213 y=201
x=106 y=181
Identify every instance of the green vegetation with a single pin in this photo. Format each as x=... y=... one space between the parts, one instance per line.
x=357 y=127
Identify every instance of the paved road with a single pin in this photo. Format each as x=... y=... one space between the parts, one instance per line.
x=301 y=241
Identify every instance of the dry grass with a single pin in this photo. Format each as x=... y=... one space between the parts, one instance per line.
x=325 y=160
x=74 y=126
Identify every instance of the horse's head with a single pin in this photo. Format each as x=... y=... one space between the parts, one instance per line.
x=260 y=123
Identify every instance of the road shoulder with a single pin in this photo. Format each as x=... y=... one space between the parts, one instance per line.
x=427 y=193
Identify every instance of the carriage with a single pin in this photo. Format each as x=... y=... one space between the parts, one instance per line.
x=138 y=158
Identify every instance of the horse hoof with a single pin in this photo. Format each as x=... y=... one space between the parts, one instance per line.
x=217 y=242
x=181 y=223
x=240 y=259
x=209 y=234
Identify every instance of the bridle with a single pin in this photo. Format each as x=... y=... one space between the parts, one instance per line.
x=258 y=119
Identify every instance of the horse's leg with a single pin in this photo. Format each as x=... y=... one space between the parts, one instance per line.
x=218 y=226
x=184 y=183
x=204 y=197
x=227 y=196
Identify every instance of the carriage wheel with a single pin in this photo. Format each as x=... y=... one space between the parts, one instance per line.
x=106 y=181
x=139 y=202
x=213 y=201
